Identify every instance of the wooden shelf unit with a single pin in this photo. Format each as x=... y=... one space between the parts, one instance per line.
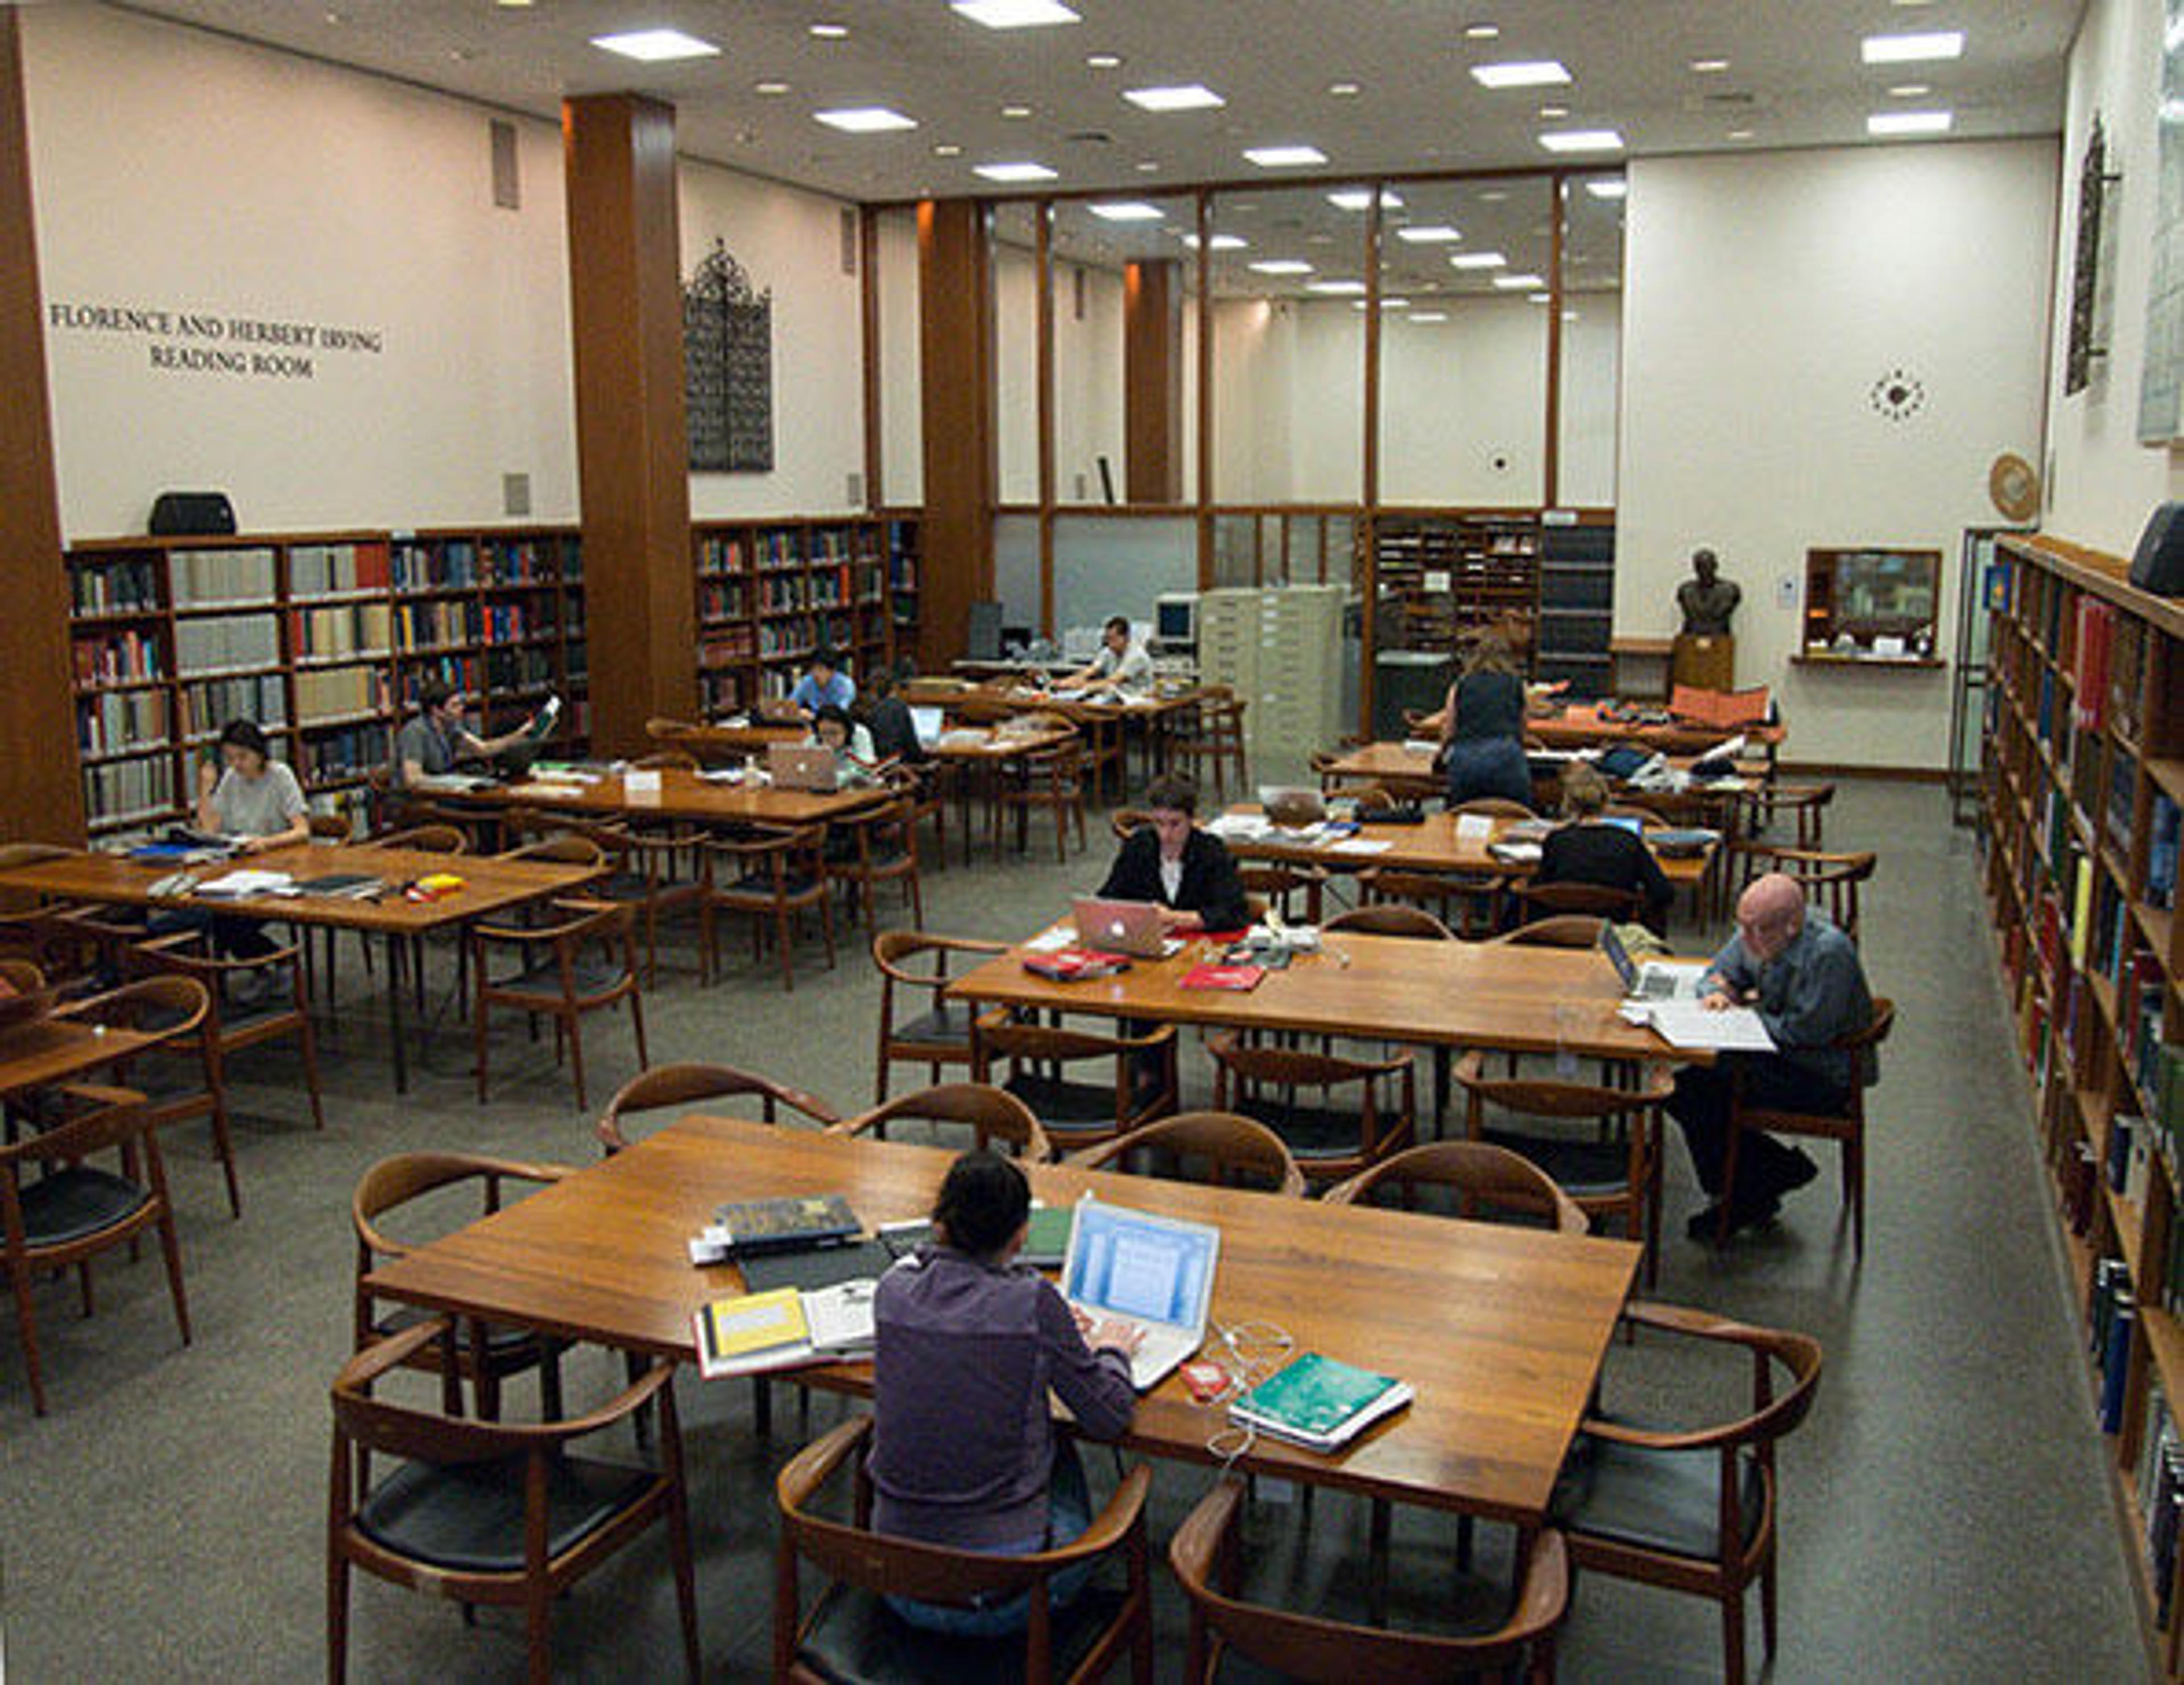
x=771 y=592
x=322 y=638
x=2083 y=777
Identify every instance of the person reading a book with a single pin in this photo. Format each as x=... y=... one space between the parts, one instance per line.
x=251 y=796
x=855 y=758
x=1169 y=860
x=824 y=685
x=968 y=1343
x=1121 y=666
x=437 y=739
x=1802 y=975
x=1585 y=849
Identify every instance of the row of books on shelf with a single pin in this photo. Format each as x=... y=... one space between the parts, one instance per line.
x=2112 y=1328
x=722 y=599
x=118 y=720
x=119 y=587
x=831 y=586
x=350 y=752
x=117 y=788
x=227 y=643
x=335 y=692
x=207 y=578
x=364 y=628
x=520 y=669
x=328 y=570
x=2161 y=1490
x=528 y=562
x=506 y=622
x=436 y=621
x=118 y=658
x=208 y=704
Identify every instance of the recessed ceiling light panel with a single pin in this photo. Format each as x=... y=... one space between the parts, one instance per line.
x=1335 y=288
x=1614 y=189
x=1126 y=210
x=1219 y=242
x=1187 y=97
x=1025 y=171
x=1284 y=157
x=1430 y=234
x=1887 y=125
x=1282 y=266
x=1477 y=260
x=865 y=119
x=1014 y=14
x=1912 y=49
x=655 y=46
x=1522 y=73
x=1582 y=140
x=1517 y=283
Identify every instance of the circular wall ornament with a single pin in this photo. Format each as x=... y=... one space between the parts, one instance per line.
x=1899 y=395
x=2014 y=486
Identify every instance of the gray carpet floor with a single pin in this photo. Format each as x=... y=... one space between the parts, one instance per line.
x=1945 y=1514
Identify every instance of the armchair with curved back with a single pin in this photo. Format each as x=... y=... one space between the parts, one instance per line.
x=990 y=1114
x=1238 y=1152
x=584 y=960
x=1476 y=1174
x=684 y=1085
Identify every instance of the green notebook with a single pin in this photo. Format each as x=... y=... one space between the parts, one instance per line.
x=1043 y=1246
x=1319 y=1401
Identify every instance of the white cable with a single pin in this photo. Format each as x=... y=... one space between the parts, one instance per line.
x=1255 y=1351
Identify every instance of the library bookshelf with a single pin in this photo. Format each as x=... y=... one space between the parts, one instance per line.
x=769 y=592
x=2084 y=784
x=325 y=639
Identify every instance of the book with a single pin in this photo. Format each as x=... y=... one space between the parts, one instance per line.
x=784 y=1224
x=1242 y=978
x=1075 y=965
x=1046 y=1241
x=754 y=1333
x=1319 y=1401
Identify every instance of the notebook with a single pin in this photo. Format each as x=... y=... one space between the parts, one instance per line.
x=1154 y=1273
x=1119 y=927
x=1654 y=981
x=1317 y=1401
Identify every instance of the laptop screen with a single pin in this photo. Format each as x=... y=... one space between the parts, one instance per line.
x=1618 y=955
x=926 y=722
x=1630 y=823
x=1131 y=1264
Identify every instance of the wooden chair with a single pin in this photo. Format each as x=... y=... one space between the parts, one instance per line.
x=1212 y=736
x=1328 y=1143
x=24 y=977
x=235 y=1026
x=1141 y=1085
x=1237 y=1151
x=882 y=848
x=584 y=960
x=1207 y=1554
x=991 y=1114
x=1276 y=882
x=1493 y=808
x=1389 y=918
x=1051 y=778
x=1806 y=804
x=430 y=839
x=1693 y=1511
x=26 y=918
x=1471 y=906
x=478 y=1351
x=1124 y=822
x=485 y=1512
x=938 y=1036
x=66 y=1217
x=926 y=788
x=1831 y=881
x=1536 y=902
x=769 y=873
x=666 y=759
x=1614 y=1172
x=851 y=1634
x=684 y=1085
x=1478 y=1175
x=649 y=878
x=1847 y=1127
x=1562 y=930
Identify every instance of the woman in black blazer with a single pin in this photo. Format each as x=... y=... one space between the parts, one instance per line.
x=1172 y=862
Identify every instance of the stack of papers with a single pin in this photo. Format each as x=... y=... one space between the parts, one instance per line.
x=1690 y=1023
x=242 y=883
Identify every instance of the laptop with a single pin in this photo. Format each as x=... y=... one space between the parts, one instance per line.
x=1119 y=927
x=927 y=723
x=1656 y=979
x=1292 y=803
x=1154 y=1273
x=802 y=766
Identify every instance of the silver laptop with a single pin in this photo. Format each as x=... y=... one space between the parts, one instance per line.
x=1656 y=979
x=1292 y=803
x=1119 y=927
x=799 y=765
x=1154 y=1273
x=927 y=723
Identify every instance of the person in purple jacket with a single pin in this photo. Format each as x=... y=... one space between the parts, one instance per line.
x=964 y=1452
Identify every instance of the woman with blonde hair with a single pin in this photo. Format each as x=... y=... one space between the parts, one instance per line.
x=1587 y=849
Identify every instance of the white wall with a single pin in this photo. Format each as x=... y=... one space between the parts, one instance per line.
x=2102 y=484
x=1592 y=383
x=789 y=243
x=902 y=432
x=178 y=171
x=1087 y=383
x=1463 y=404
x=1016 y=373
x=1764 y=298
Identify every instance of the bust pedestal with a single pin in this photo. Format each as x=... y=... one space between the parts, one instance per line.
x=1703 y=663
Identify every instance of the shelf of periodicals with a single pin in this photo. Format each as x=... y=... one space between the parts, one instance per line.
x=1444 y=573
x=324 y=639
x=2084 y=787
x=771 y=592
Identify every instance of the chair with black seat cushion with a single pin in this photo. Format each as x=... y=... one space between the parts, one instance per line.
x=878 y=845
x=24 y=917
x=1052 y=779
x=1124 y=822
x=1235 y=1151
x=484 y=1512
x=1613 y=1170
x=1277 y=883
x=769 y=874
x=1208 y=1553
x=1847 y=1127
x=1270 y=1085
x=584 y=960
x=279 y=1010
x=938 y=1036
x=684 y=1085
x=482 y=1354
x=1692 y=1511
x=76 y=1210
x=1140 y=1084
x=991 y=1114
x=850 y=1636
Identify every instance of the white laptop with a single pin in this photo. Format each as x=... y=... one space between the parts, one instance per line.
x=927 y=723
x=1292 y=803
x=1656 y=979
x=1119 y=927
x=1154 y=1273
x=800 y=766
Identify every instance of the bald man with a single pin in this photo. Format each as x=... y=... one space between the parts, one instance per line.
x=1802 y=977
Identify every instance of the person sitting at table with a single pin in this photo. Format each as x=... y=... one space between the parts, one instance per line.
x=887 y=718
x=1585 y=849
x=824 y=685
x=1802 y=976
x=257 y=799
x=968 y=1343
x=1482 y=727
x=436 y=740
x=856 y=759
x=1189 y=872
x=1121 y=666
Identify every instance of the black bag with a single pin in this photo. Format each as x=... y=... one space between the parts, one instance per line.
x=192 y=513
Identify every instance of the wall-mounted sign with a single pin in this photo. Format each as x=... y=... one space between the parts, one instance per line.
x=212 y=343
x=727 y=367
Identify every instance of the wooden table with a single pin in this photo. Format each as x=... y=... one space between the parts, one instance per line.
x=975 y=756
x=489 y=886
x=43 y=1051
x=1406 y=771
x=682 y=796
x=1003 y=700
x=1491 y=995
x=1502 y=1330
x=720 y=741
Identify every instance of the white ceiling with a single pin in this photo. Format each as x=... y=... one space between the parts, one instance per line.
x=1794 y=77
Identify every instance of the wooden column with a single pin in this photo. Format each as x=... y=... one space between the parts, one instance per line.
x=632 y=447
x=956 y=362
x=41 y=782
x=1152 y=381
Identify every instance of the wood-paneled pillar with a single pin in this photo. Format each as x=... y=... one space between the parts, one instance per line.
x=955 y=363
x=1152 y=381
x=41 y=782
x=632 y=446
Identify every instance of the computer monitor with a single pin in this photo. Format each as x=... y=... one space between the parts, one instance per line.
x=982 y=639
x=1175 y=617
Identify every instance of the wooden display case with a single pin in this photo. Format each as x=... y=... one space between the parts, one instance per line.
x=1874 y=606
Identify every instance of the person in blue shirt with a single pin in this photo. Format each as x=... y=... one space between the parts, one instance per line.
x=824 y=685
